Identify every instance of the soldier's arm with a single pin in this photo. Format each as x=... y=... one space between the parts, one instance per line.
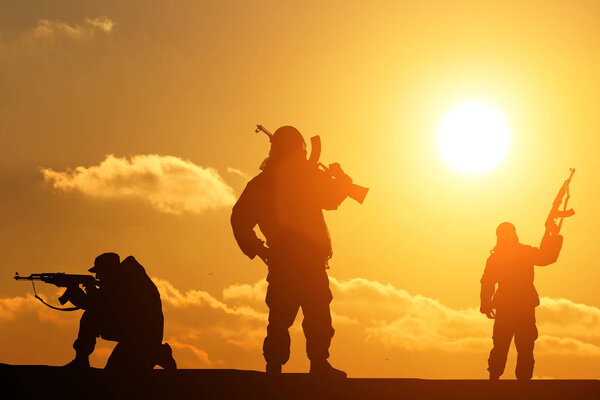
x=548 y=251
x=77 y=297
x=488 y=287
x=244 y=219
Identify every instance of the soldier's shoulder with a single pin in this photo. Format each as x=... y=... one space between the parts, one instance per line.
x=492 y=258
x=526 y=247
x=527 y=251
x=258 y=181
x=258 y=178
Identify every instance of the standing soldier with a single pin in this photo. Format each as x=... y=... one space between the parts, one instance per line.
x=286 y=202
x=513 y=304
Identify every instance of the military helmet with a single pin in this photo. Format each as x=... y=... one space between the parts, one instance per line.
x=105 y=262
x=286 y=140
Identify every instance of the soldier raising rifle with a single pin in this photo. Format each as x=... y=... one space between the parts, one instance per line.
x=513 y=303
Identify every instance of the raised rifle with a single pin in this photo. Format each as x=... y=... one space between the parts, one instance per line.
x=354 y=191
x=555 y=212
x=59 y=279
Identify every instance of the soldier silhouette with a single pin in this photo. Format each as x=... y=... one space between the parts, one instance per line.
x=513 y=304
x=286 y=202
x=124 y=307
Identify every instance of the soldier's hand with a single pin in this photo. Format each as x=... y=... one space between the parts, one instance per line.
x=336 y=170
x=488 y=311
x=338 y=173
x=264 y=253
x=552 y=227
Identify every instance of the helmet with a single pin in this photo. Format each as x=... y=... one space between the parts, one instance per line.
x=286 y=140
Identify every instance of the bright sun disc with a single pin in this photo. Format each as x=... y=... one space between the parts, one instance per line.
x=473 y=137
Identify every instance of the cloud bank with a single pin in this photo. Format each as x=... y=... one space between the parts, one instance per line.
x=226 y=330
x=168 y=183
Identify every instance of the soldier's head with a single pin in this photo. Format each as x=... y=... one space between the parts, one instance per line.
x=506 y=235
x=105 y=265
x=287 y=144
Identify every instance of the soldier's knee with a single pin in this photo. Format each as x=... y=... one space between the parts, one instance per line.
x=278 y=327
x=316 y=327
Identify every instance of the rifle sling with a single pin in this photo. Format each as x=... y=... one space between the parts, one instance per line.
x=50 y=305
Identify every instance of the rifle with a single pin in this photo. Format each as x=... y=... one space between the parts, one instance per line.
x=334 y=170
x=555 y=212
x=59 y=279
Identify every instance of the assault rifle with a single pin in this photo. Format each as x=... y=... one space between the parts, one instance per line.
x=59 y=279
x=334 y=170
x=555 y=213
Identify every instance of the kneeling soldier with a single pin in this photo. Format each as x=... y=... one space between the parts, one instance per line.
x=125 y=307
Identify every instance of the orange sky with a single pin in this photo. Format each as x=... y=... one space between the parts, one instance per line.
x=83 y=80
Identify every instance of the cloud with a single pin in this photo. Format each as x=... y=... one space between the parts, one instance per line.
x=397 y=318
x=168 y=183
x=52 y=29
x=198 y=355
x=226 y=330
x=238 y=172
x=246 y=293
x=174 y=297
x=11 y=306
x=381 y=314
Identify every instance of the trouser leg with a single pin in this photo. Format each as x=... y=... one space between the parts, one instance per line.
x=317 y=325
x=132 y=357
x=502 y=337
x=525 y=336
x=89 y=330
x=283 y=308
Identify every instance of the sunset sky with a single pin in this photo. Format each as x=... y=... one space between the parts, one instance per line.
x=129 y=127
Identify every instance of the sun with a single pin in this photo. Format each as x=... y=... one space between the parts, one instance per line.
x=473 y=137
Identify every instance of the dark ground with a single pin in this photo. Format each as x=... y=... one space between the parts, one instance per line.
x=43 y=382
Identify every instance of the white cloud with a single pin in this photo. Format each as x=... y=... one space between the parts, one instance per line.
x=246 y=293
x=11 y=306
x=207 y=330
x=397 y=318
x=168 y=183
x=46 y=29
x=200 y=356
x=238 y=172
x=174 y=297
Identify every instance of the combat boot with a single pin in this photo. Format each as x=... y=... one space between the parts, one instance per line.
x=79 y=362
x=325 y=370
x=273 y=369
x=165 y=358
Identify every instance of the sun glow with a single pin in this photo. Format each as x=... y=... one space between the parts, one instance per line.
x=473 y=137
